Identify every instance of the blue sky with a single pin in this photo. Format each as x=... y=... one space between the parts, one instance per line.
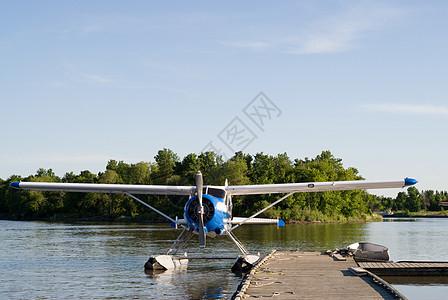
x=83 y=82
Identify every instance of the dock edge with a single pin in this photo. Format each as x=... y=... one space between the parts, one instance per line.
x=385 y=285
x=245 y=282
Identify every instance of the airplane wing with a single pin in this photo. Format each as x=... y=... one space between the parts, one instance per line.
x=292 y=188
x=317 y=186
x=105 y=188
x=231 y=190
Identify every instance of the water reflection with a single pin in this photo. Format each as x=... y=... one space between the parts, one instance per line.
x=58 y=261
x=305 y=237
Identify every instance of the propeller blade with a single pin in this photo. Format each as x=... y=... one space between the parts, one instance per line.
x=199 y=187
x=201 y=232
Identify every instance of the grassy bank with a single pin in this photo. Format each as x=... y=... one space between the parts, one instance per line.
x=314 y=216
x=421 y=214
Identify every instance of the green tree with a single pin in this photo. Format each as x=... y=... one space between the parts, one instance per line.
x=3 y=204
x=86 y=177
x=166 y=161
x=188 y=167
x=413 y=200
x=428 y=199
x=234 y=170
x=400 y=201
x=283 y=170
x=262 y=171
x=110 y=176
x=139 y=173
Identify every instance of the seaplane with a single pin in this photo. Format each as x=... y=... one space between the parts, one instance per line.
x=208 y=211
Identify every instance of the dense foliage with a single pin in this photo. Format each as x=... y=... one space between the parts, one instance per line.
x=242 y=168
x=411 y=201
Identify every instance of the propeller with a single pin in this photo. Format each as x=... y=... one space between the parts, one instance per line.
x=199 y=186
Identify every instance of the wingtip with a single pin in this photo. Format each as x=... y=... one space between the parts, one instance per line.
x=409 y=181
x=15 y=184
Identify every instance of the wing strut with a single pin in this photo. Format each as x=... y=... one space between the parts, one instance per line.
x=237 y=243
x=259 y=212
x=153 y=208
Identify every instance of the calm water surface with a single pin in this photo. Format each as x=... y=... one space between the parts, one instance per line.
x=97 y=261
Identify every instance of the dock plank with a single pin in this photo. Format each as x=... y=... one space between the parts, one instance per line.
x=406 y=268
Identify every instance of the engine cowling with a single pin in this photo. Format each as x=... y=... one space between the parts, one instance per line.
x=214 y=213
x=193 y=209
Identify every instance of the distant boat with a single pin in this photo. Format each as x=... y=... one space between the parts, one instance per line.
x=364 y=251
x=386 y=213
x=443 y=203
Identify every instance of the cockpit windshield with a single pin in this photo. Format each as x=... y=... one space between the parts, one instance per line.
x=219 y=193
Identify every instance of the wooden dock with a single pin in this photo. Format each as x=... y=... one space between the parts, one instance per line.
x=311 y=275
x=406 y=268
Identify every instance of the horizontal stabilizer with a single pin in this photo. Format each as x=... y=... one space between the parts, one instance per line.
x=238 y=220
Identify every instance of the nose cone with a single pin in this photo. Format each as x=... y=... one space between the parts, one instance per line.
x=409 y=181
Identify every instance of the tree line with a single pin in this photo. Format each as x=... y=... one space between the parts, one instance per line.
x=169 y=169
x=412 y=201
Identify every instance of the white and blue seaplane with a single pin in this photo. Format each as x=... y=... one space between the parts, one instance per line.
x=208 y=212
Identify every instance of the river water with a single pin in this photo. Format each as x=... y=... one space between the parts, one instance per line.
x=97 y=261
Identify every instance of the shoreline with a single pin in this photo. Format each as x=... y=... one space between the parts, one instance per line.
x=416 y=216
x=143 y=220
x=123 y=219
